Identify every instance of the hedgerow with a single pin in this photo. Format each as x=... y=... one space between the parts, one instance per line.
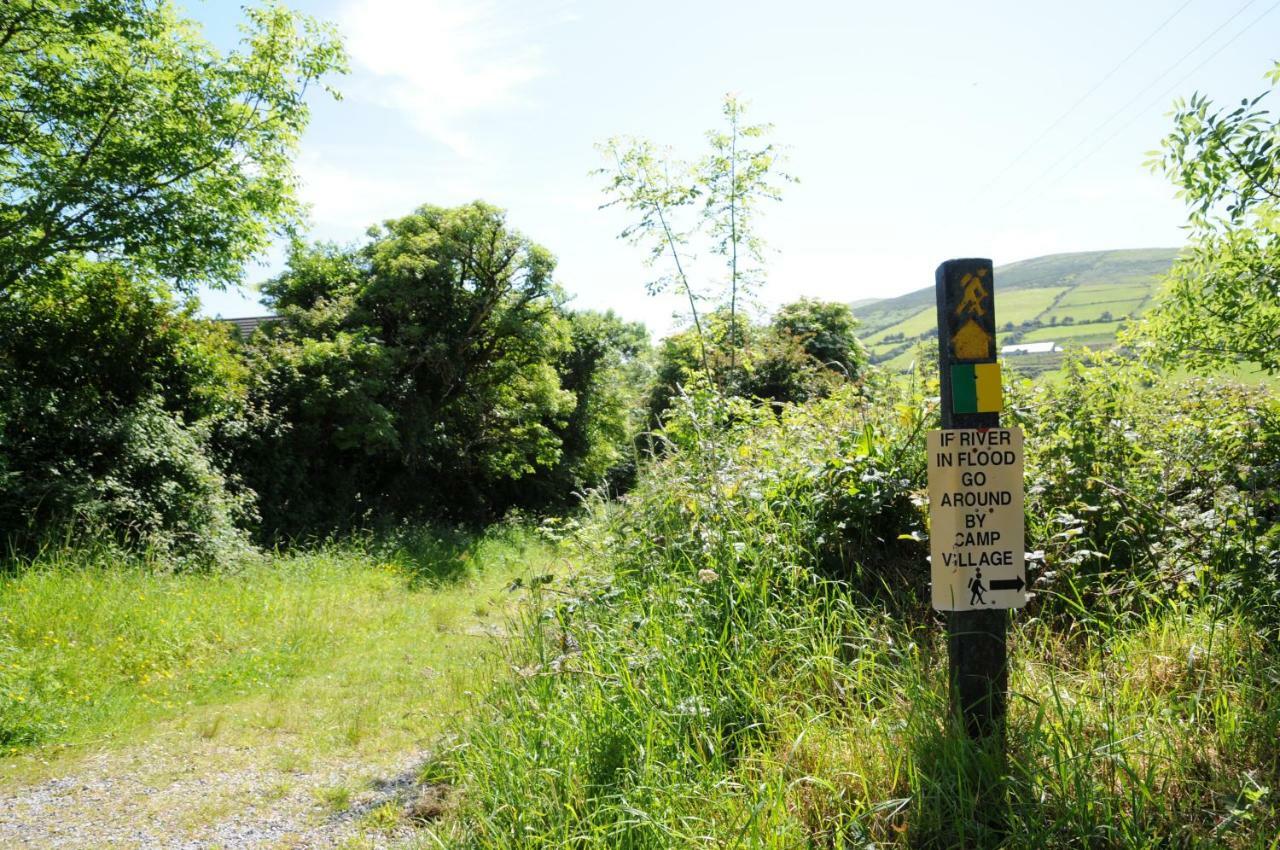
x=743 y=655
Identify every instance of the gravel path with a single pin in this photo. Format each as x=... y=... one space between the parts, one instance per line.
x=210 y=797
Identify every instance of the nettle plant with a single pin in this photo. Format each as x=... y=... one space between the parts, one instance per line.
x=827 y=487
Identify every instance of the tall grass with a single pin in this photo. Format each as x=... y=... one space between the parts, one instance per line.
x=93 y=647
x=752 y=666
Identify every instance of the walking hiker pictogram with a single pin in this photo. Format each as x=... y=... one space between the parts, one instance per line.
x=974 y=295
x=975 y=585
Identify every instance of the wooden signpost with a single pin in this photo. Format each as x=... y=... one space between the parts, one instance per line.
x=975 y=499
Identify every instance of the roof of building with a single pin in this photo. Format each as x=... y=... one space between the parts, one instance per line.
x=1031 y=348
x=247 y=325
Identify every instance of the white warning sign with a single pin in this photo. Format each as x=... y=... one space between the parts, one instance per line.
x=975 y=518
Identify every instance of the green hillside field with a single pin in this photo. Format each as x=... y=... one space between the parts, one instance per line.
x=1074 y=300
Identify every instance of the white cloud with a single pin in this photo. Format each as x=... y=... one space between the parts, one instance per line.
x=439 y=61
x=344 y=203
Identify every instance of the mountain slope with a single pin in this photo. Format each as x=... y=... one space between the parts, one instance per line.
x=1065 y=299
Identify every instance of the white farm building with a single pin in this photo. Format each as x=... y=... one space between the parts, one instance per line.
x=1031 y=348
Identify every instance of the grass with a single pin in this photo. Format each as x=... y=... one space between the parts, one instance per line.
x=1092 y=312
x=911 y=354
x=1040 y=367
x=358 y=648
x=1126 y=270
x=1248 y=374
x=1125 y=740
x=1021 y=305
x=335 y=798
x=1074 y=332
x=825 y=724
x=1110 y=744
x=915 y=324
x=746 y=663
x=1016 y=307
x=1105 y=292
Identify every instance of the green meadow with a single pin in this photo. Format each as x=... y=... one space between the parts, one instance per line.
x=332 y=645
x=1071 y=299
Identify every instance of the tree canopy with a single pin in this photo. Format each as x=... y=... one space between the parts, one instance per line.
x=124 y=134
x=432 y=372
x=807 y=350
x=135 y=159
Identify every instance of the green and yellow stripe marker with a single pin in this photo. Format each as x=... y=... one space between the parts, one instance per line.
x=975 y=388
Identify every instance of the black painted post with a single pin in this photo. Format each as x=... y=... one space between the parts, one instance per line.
x=976 y=640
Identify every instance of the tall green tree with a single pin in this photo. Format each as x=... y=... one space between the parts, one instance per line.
x=682 y=209
x=124 y=134
x=1222 y=300
x=827 y=331
x=433 y=373
x=605 y=368
x=807 y=350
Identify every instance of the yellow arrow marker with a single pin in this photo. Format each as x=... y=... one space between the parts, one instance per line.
x=971 y=342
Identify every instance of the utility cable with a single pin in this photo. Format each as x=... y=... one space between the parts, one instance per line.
x=1072 y=108
x=1114 y=115
x=1164 y=95
x=1023 y=194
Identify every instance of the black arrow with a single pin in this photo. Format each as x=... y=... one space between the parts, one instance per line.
x=1007 y=583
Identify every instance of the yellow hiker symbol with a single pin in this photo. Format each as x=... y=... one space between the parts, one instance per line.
x=974 y=293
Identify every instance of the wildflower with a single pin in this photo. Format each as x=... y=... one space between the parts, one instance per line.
x=692 y=707
x=707 y=576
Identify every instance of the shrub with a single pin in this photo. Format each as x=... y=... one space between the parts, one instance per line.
x=164 y=491
x=827 y=485
x=826 y=330
x=605 y=370
x=115 y=402
x=1143 y=489
x=808 y=349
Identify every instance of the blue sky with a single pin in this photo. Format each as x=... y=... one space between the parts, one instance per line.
x=919 y=131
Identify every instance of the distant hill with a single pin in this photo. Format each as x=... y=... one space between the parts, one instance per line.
x=1076 y=299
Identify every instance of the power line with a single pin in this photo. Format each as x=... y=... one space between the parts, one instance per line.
x=1123 y=109
x=1072 y=108
x=1165 y=94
